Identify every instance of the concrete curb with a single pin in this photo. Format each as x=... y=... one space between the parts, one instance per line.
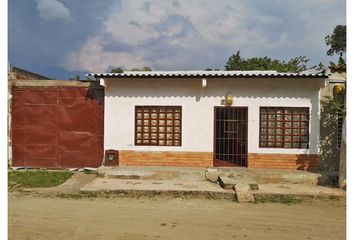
x=163 y=194
x=299 y=195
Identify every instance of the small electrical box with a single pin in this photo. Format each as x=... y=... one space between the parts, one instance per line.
x=111 y=157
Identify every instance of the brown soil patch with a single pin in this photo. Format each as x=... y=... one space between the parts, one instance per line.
x=35 y=217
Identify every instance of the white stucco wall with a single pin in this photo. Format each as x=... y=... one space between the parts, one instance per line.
x=122 y=95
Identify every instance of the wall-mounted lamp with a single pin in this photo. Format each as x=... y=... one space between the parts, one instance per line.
x=338 y=89
x=204 y=83
x=229 y=99
x=102 y=82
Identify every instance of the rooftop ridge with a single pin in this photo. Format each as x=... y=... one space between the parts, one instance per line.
x=190 y=73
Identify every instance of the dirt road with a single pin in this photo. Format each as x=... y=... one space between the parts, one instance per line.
x=54 y=218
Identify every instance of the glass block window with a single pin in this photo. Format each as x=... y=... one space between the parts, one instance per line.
x=158 y=125
x=284 y=127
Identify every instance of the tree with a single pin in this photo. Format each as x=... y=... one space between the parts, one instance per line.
x=337 y=41
x=236 y=62
x=144 y=69
x=90 y=78
x=117 y=70
x=121 y=70
x=77 y=77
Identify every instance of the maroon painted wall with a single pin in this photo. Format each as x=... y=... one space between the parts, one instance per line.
x=57 y=127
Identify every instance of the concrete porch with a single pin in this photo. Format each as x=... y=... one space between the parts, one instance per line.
x=261 y=176
x=217 y=183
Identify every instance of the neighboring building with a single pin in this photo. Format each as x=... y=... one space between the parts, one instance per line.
x=14 y=74
x=256 y=119
x=331 y=123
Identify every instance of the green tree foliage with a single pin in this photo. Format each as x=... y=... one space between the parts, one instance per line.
x=90 y=78
x=336 y=104
x=117 y=70
x=212 y=69
x=77 y=77
x=121 y=70
x=337 y=41
x=144 y=69
x=236 y=62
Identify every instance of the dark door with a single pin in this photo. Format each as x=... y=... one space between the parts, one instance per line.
x=230 y=136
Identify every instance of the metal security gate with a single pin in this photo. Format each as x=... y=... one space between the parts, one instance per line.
x=230 y=136
x=57 y=126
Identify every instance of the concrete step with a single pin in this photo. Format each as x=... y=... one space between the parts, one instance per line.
x=242 y=188
x=285 y=176
x=226 y=183
x=263 y=176
x=243 y=193
x=154 y=188
x=298 y=190
x=229 y=183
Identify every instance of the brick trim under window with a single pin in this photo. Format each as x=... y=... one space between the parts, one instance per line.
x=158 y=125
x=284 y=127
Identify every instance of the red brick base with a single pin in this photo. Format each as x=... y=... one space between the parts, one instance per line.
x=205 y=159
x=168 y=158
x=284 y=161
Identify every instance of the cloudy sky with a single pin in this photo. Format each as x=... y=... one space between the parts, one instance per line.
x=62 y=38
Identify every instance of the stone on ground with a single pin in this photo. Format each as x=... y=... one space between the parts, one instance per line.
x=226 y=182
x=229 y=182
x=243 y=193
x=212 y=176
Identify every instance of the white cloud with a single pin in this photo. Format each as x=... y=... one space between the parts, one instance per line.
x=92 y=57
x=186 y=34
x=52 y=10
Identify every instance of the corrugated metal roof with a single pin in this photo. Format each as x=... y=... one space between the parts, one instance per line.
x=161 y=74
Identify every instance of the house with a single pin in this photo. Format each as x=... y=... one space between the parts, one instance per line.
x=255 y=119
x=16 y=73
